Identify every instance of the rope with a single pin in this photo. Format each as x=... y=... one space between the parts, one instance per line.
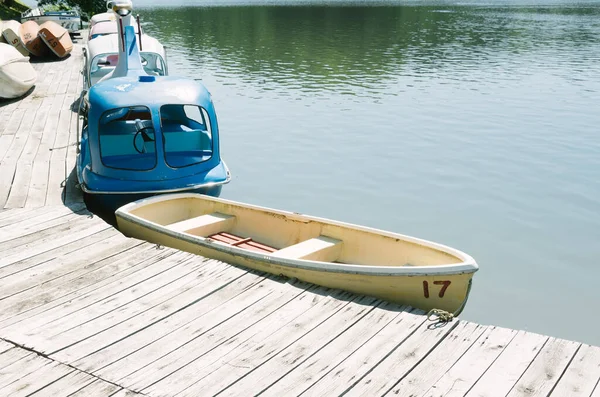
x=63 y=147
x=441 y=317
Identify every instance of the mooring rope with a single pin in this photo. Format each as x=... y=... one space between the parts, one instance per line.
x=439 y=316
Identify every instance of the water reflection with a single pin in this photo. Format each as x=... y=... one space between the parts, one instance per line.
x=474 y=125
x=358 y=50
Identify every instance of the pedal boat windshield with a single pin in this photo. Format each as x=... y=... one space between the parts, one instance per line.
x=150 y=134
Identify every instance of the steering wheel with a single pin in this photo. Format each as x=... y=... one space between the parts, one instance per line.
x=145 y=137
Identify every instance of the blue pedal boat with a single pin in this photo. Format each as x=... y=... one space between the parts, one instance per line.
x=144 y=135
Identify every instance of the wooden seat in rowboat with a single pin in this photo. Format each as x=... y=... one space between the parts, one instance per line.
x=322 y=248
x=204 y=225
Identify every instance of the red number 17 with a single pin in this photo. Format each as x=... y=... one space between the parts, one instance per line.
x=445 y=284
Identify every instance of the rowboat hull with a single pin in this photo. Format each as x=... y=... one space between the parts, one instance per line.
x=56 y=38
x=10 y=31
x=17 y=76
x=29 y=37
x=425 y=287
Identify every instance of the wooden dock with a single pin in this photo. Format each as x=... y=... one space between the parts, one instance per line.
x=85 y=311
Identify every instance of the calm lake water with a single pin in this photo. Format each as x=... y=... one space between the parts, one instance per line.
x=474 y=124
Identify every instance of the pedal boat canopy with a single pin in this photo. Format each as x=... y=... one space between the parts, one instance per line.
x=150 y=134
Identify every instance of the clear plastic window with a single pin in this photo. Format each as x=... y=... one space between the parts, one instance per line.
x=102 y=65
x=127 y=139
x=187 y=134
x=153 y=63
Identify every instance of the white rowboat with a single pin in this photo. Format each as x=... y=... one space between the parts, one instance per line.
x=333 y=254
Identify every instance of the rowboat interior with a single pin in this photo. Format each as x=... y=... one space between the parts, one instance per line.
x=290 y=235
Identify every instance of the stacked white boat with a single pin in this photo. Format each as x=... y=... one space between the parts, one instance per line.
x=19 y=42
x=17 y=75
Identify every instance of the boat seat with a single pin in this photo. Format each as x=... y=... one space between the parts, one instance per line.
x=204 y=225
x=322 y=249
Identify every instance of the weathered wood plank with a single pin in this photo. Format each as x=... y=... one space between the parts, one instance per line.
x=13 y=355
x=506 y=370
x=38 y=188
x=179 y=328
x=44 y=259
x=63 y=386
x=596 y=392
x=305 y=372
x=24 y=308
x=272 y=360
x=581 y=375
x=213 y=326
x=406 y=328
x=44 y=221
x=28 y=384
x=59 y=271
x=19 y=369
x=468 y=369
x=134 y=320
x=16 y=216
x=126 y=393
x=546 y=369
x=70 y=340
x=58 y=159
x=439 y=361
x=4 y=347
x=35 y=325
x=198 y=374
x=14 y=251
x=98 y=388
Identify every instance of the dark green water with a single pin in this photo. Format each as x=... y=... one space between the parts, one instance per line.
x=474 y=124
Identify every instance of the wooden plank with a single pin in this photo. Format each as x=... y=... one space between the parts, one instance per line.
x=59 y=271
x=72 y=192
x=14 y=122
x=596 y=392
x=38 y=188
x=98 y=388
x=153 y=295
x=440 y=360
x=126 y=393
x=5 y=346
x=33 y=382
x=64 y=386
x=506 y=370
x=7 y=173
x=214 y=326
x=58 y=159
x=406 y=330
x=13 y=355
x=546 y=369
x=151 y=343
x=468 y=369
x=134 y=320
x=32 y=225
x=5 y=141
x=16 y=216
x=47 y=258
x=17 y=252
x=270 y=361
x=305 y=372
x=18 y=144
x=581 y=375
x=406 y=357
x=35 y=325
x=20 y=186
x=19 y=369
x=24 y=308
x=201 y=372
